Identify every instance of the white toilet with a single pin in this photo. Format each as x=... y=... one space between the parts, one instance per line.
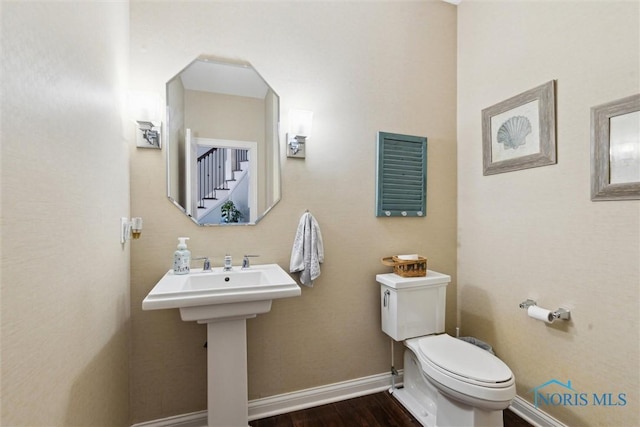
x=447 y=381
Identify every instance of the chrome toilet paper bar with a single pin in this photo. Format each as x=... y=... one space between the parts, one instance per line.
x=562 y=314
x=542 y=314
x=528 y=303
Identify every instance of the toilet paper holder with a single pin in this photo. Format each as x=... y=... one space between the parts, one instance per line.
x=561 y=313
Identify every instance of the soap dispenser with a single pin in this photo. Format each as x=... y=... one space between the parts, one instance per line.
x=182 y=257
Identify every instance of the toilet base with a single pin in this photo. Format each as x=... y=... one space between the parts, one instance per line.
x=434 y=409
x=415 y=407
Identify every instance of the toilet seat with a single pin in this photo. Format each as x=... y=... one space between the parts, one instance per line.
x=464 y=361
x=464 y=371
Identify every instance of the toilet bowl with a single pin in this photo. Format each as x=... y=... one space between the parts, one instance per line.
x=464 y=372
x=447 y=381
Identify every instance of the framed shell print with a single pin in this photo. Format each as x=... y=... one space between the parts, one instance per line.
x=520 y=132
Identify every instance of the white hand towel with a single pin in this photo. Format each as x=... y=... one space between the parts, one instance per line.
x=307 y=252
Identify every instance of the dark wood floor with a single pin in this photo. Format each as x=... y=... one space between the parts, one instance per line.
x=374 y=410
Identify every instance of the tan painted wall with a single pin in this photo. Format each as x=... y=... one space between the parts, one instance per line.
x=362 y=68
x=343 y=63
x=535 y=233
x=65 y=185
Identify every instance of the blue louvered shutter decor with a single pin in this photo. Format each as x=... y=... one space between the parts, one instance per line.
x=401 y=176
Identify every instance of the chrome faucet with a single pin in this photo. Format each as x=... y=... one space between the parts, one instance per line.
x=245 y=261
x=228 y=266
x=206 y=266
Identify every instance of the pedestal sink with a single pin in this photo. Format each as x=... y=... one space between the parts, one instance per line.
x=224 y=300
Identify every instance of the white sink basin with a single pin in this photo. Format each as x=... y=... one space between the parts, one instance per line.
x=219 y=294
x=224 y=300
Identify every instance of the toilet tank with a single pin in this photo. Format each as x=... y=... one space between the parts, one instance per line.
x=413 y=306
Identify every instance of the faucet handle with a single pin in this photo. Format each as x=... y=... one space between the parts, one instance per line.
x=245 y=261
x=206 y=266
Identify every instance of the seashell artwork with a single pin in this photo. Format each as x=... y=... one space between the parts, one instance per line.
x=512 y=133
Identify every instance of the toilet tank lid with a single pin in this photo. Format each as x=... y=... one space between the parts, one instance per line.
x=433 y=278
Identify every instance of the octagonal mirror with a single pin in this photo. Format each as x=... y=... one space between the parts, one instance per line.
x=223 y=158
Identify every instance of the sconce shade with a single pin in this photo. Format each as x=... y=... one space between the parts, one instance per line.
x=300 y=122
x=144 y=105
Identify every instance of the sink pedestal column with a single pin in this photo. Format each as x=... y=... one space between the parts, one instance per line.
x=224 y=300
x=227 y=390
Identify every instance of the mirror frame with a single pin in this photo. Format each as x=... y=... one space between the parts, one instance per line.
x=277 y=161
x=601 y=186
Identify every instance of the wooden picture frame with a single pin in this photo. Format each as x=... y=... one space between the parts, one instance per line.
x=615 y=150
x=520 y=132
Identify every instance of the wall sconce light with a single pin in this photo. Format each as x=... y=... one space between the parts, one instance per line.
x=148 y=134
x=130 y=229
x=299 y=130
x=144 y=108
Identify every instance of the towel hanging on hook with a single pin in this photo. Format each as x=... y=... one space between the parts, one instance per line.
x=307 y=252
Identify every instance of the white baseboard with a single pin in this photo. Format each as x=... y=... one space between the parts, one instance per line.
x=533 y=415
x=192 y=419
x=289 y=402
x=311 y=397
